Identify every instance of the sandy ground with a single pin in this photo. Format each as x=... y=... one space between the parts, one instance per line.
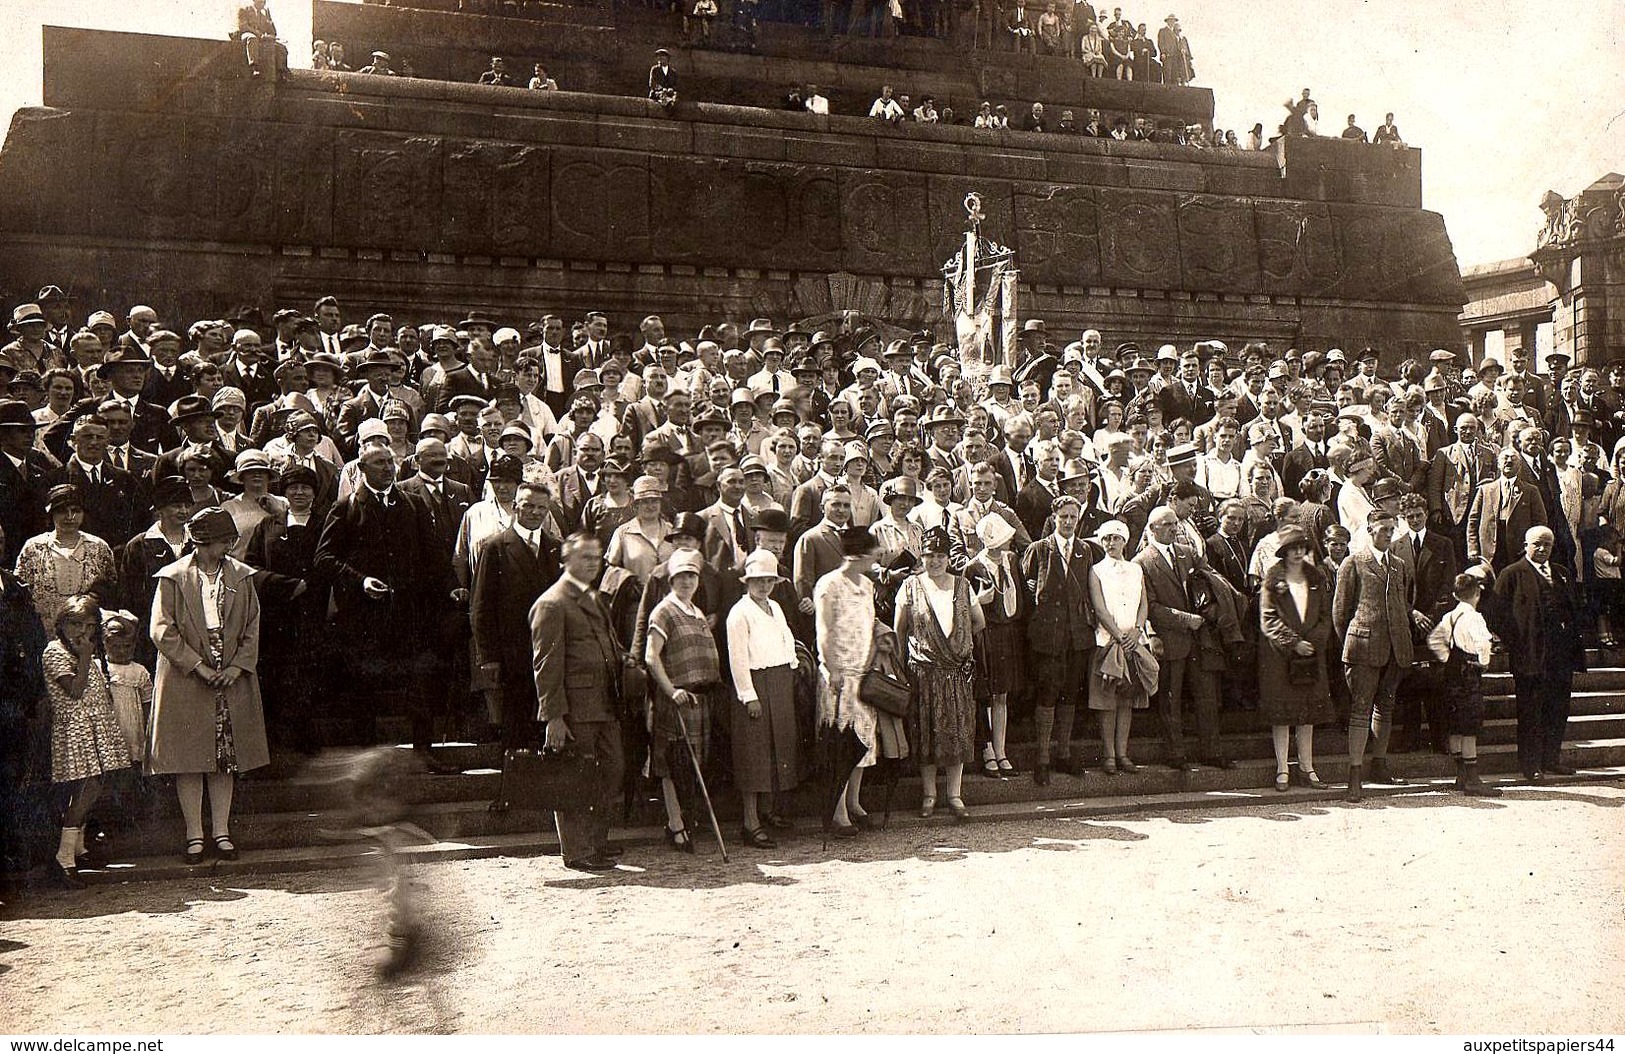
x=1416 y=914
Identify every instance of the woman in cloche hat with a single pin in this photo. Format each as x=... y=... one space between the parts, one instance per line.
x=207 y=720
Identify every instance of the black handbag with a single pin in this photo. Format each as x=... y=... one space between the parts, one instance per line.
x=1302 y=670
x=551 y=782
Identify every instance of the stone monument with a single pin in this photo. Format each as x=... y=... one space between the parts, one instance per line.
x=198 y=189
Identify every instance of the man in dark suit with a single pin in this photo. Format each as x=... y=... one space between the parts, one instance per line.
x=1434 y=562
x=125 y=368
x=1168 y=568
x=1502 y=512
x=577 y=666
x=1060 y=634
x=447 y=499
x=1184 y=396
x=477 y=378
x=116 y=504
x=369 y=402
x=25 y=478
x=1538 y=616
x=194 y=418
x=581 y=481
x=247 y=370
x=1013 y=460
x=166 y=381
x=1305 y=457
x=1372 y=613
x=1037 y=498
x=392 y=579
x=512 y=569
x=559 y=366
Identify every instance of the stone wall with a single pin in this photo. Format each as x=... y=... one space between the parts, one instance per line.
x=198 y=189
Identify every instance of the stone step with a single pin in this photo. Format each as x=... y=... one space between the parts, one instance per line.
x=468 y=817
x=1596 y=715
x=1075 y=802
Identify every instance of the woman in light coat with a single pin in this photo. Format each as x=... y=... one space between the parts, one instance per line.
x=207 y=720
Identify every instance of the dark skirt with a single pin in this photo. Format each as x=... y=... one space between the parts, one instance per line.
x=765 y=748
x=1463 y=694
x=942 y=723
x=1000 y=656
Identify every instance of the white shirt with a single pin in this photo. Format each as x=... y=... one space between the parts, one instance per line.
x=817 y=104
x=757 y=640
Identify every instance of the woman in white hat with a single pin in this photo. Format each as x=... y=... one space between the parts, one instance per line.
x=995 y=575
x=1122 y=608
x=762 y=660
x=253 y=472
x=681 y=654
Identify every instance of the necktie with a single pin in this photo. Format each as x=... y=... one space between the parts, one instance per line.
x=775 y=383
x=738 y=531
x=118 y=459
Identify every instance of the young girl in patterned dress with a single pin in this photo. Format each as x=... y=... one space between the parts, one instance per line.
x=85 y=737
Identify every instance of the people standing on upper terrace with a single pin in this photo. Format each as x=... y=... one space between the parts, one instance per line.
x=1178 y=67
x=663 y=79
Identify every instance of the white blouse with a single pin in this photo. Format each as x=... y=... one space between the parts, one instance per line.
x=757 y=640
x=1122 y=584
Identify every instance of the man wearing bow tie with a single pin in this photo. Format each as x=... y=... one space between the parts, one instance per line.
x=558 y=367
x=1539 y=620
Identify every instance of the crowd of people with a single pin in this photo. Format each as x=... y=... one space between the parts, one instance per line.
x=257 y=533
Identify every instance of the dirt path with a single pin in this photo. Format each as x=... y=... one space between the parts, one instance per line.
x=1418 y=914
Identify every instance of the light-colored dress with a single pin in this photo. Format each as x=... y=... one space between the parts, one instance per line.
x=55 y=575
x=1122 y=587
x=845 y=611
x=85 y=736
x=131 y=686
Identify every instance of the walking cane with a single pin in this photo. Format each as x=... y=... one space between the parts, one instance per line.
x=699 y=777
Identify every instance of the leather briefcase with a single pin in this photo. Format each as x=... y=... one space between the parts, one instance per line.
x=547 y=782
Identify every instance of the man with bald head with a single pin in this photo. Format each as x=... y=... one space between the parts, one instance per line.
x=141 y=321
x=1538 y=617
x=447 y=499
x=247 y=369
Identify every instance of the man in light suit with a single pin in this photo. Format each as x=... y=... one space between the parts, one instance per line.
x=514 y=568
x=1372 y=613
x=1454 y=476
x=1060 y=633
x=577 y=668
x=727 y=538
x=1538 y=608
x=1503 y=510
x=1167 y=568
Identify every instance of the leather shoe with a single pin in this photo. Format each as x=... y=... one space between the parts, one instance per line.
x=1041 y=774
x=1380 y=773
x=592 y=865
x=1557 y=768
x=1534 y=776
x=1219 y=763
x=1071 y=766
x=842 y=830
x=612 y=852
x=1124 y=764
